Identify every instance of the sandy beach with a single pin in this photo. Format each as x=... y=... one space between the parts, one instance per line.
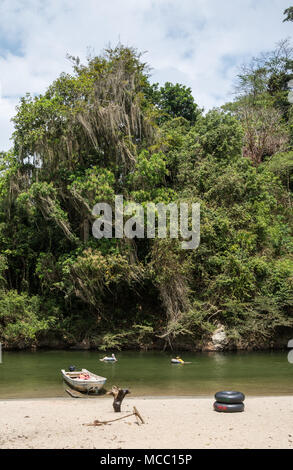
x=169 y=423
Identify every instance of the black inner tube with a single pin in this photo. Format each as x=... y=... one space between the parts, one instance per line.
x=229 y=397
x=228 y=407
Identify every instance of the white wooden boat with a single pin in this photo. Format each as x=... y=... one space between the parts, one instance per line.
x=91 y=385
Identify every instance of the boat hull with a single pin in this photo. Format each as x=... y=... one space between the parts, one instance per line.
x=94 y=385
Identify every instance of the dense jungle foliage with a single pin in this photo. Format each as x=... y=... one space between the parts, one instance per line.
x=106 y=130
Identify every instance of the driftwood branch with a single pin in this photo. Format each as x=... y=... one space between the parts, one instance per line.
x=118 y=394
x=135 y=413
x=138 y=415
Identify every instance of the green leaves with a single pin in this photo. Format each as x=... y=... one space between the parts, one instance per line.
x=20 y=319
x=173 y=101
x=149 y=172
x=95 y=185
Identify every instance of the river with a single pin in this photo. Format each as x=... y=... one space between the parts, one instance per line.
x=37 y=374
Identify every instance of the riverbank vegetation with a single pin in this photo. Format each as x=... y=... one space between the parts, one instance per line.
x=105 y=130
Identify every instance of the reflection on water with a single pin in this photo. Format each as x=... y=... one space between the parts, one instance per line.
x=37 y=374
x=217 y=357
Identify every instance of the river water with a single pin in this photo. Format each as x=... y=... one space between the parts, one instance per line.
x=37 y=374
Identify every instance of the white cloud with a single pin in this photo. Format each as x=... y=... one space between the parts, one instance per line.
x=199 y=43
x=7 y=110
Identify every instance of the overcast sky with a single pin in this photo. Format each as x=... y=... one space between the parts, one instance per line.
x=199 y=43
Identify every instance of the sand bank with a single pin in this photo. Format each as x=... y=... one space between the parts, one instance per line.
x=170 y=423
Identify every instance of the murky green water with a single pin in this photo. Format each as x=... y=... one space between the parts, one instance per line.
x=28 y=374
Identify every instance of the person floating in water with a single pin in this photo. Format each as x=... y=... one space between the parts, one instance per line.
x=109 y=359
x=178 y=360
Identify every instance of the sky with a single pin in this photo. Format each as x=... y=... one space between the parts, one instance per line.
x=199 y=43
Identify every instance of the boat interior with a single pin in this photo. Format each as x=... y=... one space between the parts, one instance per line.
x=75 y=374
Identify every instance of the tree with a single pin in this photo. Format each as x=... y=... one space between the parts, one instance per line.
x=264 y=133
x=173 y=101
x=289 y=13
x=264 y=81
